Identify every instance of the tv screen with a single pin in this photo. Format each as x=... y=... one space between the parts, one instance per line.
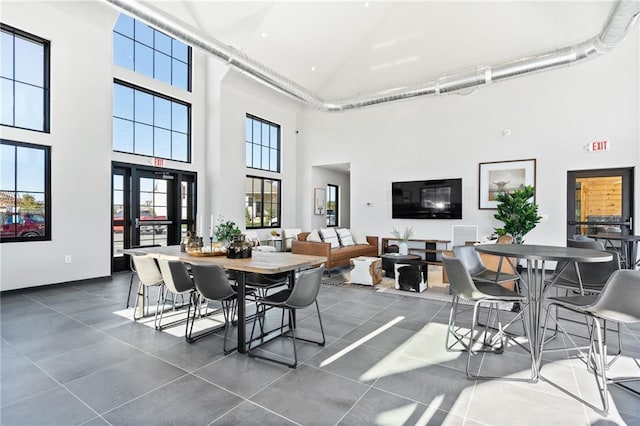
x=427 y=199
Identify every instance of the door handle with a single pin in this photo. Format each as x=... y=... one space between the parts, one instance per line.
x=136 y=223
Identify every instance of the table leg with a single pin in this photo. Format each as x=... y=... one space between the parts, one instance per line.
x=535 y=290
x=242 y=348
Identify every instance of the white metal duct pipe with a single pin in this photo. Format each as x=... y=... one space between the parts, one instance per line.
x=622 y=17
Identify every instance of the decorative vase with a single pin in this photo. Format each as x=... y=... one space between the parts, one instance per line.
x=403 y=248
x=239 y=248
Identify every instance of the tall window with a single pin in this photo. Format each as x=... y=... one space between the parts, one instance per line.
x=146 y=123
x=263 y=144
x=138 y=47
x=332 y=205
x=25 y=209
x=24 y=75
x=262 y=202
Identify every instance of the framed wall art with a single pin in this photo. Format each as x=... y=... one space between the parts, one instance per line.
x=501 y=176
x=319 y=201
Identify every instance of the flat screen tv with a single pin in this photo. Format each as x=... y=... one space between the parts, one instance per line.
x=427 y=199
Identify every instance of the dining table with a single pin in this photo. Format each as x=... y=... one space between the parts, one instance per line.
x=260 y=262
x=628 y=246
x=535 y=282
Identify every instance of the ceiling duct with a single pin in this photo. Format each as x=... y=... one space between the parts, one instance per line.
x=621 y=19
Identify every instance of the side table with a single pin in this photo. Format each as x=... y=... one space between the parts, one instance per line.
x=390 y=259
x=365 y=270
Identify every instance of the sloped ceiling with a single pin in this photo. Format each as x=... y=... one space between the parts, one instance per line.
x=345 y=49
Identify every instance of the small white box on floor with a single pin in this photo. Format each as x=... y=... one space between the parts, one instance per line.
x=365 y=270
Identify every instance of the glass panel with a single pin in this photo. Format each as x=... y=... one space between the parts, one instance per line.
x=6 y=115
x=118 y=183
x=144 y=139
x=146 y=184
x=162 y=143
x=30 y=169
x=122 y=135
x=124 y=25
x=162 y=42
x=162 y=112
x=161 y=187
x=7 y=169
x=247 y=129
x=29 y=60
x=274 y=160
x=179 y=147
x=29 y=107
x=143 y=60
x=180 y=118
x=180 y=73
x=265 y=135
x=257 y=139
x=162 y=67
x=248 y=156
x=180 y=50
x=274 y=137
x=144 y=33
x=6 y=52
x=143 y=108
x=599 y=199
x=265 y=158
x=122 y=101
x=256 y=156
x=123 y=51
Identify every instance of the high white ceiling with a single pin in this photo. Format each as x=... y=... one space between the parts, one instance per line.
x=352 y=48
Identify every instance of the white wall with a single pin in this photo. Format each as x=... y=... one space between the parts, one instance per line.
x=80 y=138
x=321 y=177
x=551 y=115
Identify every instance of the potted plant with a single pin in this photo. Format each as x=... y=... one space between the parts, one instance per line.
x=402 y=238
x=518 y=212
x=225 y=230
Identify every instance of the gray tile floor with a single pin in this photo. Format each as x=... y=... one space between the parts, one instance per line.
x=68 y=359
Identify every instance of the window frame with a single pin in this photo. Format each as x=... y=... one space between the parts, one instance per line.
x=46 y=78
x=155 y=51
x=262 y=146
x=47 y=190
x=153 y=93
x=262 y=180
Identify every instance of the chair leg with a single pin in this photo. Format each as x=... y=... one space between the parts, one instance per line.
x=601 y=365
x=133 y=274
x=293 y=338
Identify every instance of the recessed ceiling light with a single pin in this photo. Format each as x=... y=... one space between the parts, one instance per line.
x=264 y=35
x=313 y=68
x=366 y=4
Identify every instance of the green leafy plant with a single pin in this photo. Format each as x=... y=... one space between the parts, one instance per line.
x=226 y=229
x=518 y=213
x=403 y=237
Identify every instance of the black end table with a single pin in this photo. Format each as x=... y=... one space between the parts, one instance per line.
x=390 y=259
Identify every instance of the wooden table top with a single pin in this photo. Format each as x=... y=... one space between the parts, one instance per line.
x=260 y=262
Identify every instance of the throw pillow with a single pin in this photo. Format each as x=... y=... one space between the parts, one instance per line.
x=345 y=237
x=288 y=235
x=329 y=236
x=314 y=236
x=359 y=237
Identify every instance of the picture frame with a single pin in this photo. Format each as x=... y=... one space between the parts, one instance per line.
x=499 y=176
x=319 y=201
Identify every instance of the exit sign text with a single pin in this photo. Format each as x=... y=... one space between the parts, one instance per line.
x=599 y=146
x=158 y=162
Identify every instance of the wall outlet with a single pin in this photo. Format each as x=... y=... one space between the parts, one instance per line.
x=67 y=259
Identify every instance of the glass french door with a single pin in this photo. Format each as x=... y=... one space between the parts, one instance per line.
x=600 y=202
x=150 y=207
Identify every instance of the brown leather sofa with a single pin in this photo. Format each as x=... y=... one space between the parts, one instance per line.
x=338 y=256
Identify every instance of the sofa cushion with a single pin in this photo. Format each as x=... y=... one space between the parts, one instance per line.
x=329 y=236
x=314 y=236
x=345 y=237
x=359 y=237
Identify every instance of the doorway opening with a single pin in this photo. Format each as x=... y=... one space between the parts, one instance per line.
x=150 y=206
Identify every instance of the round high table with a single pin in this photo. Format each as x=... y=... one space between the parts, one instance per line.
x=629 y=246
x=534 y=280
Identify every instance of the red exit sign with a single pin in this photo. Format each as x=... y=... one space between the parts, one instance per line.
x=599 y=146
x=158 y=162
